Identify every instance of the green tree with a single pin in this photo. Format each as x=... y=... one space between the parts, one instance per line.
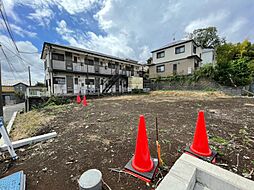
x=207 y=37
x=40 y=84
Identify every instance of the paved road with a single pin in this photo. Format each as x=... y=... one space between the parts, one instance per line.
x=10 y=109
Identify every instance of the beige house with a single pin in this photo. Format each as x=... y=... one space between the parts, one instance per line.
x=180 y=57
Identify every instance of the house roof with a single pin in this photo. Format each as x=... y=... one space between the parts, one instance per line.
x=86 y=51
x=20 y=83
x=175 y=43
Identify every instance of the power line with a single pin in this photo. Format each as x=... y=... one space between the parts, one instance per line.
x=7 y=25
x=9 y=63
x=19 y=56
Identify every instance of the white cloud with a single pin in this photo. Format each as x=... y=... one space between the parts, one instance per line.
x=109 y=44
x=9 y=5
x=42 y=16
x=77 y=6
x=19 y=71
x=18 y=30
x=213 y=19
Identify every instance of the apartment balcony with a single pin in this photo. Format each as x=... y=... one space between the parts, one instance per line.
x=93 y=69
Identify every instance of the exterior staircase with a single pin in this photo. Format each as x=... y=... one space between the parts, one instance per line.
x=110 y=82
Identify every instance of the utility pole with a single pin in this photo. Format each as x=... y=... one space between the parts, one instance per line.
x=1 y=97
x=29 y=73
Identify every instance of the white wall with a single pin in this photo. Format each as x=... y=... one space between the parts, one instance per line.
x=207 y=56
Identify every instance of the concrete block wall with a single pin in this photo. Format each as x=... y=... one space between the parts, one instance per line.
x=190 y=173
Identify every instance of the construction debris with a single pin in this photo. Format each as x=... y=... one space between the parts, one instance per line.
x=7 y=141
x=31 y=140
x=9 y=126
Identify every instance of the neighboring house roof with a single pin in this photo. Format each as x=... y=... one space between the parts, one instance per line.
x=175 y=43
x=20 y=83
x=86 y=51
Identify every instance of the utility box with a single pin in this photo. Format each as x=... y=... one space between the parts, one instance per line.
x=135 y=83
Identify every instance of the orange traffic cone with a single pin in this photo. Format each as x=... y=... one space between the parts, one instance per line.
x=78 y=99
x=200 y=146
x=142 y=161
x=84 y=101
x=142 y=165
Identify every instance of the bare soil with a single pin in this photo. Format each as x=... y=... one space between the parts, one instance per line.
x=103 y=134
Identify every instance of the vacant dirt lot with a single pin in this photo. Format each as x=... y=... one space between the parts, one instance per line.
x=102 y=135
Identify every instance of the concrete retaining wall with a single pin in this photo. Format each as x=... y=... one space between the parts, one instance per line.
x=190 y=173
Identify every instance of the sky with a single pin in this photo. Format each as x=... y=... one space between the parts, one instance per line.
x=123 y=28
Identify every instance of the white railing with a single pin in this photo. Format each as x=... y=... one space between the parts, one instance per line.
x=36 y=92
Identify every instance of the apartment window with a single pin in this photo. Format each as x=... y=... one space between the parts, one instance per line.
x=161 y=54
x=89 y=62
x=75 y=80
x=111 y=65
x=160 y=68
x=75 y=59
x=58 y=56
x=59 y=80
x=174 y=68
x=180 y=49
x=89 y=81
x=194 y=49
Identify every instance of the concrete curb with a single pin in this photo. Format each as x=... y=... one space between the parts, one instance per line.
x=190 y=173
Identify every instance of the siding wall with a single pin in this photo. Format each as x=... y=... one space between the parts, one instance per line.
x=170 y=53
x=182 y=68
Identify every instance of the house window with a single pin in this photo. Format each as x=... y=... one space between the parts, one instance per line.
x=196 y=65
x=160 y=68
x=180 y=49
x=174 y=68
x=161 y=54
x=194 y=49
x=75 y=59
x=58 y=56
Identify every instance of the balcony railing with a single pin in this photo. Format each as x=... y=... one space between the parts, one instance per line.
x=81 y=67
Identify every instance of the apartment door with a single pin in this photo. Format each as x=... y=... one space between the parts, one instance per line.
x=97 y=84
x=69 y=83
x=68 y=61
x=117 y=68
x=96 y=65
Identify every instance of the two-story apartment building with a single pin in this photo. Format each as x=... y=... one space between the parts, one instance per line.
x=72 y=70
x=180 y=57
